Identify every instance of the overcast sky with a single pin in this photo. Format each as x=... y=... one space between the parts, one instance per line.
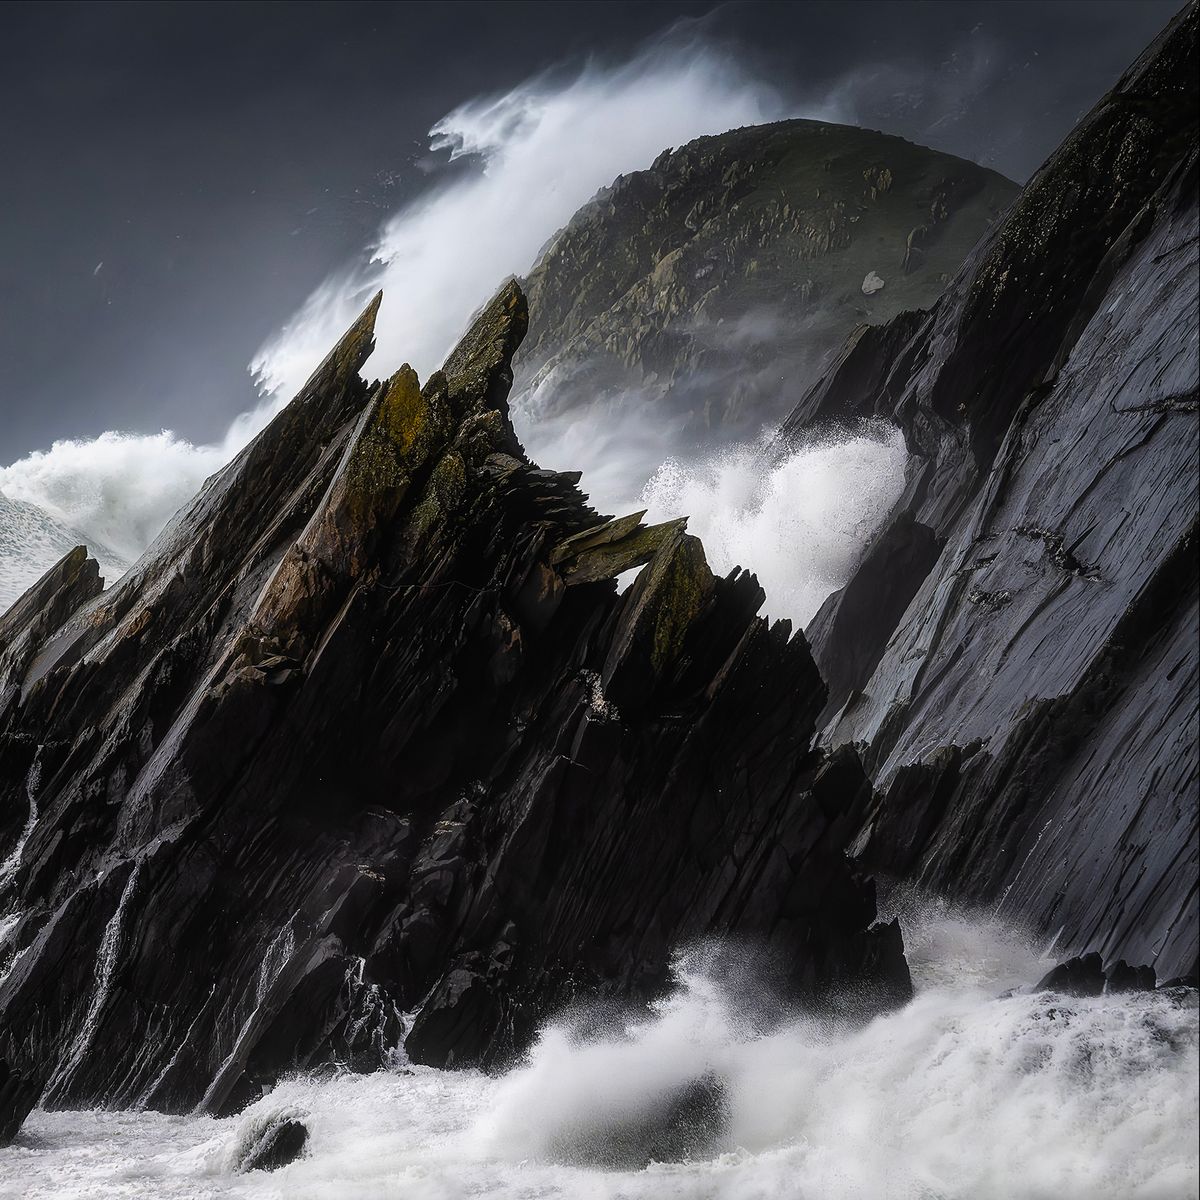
x=178 y=177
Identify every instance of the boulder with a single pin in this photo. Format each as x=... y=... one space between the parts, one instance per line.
x=1082 y=976
x=270 y=1143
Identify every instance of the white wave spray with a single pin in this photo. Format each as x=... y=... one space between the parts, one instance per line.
x=537 y=153
x=967 y=1093
x=799 y=519
x=542 y=150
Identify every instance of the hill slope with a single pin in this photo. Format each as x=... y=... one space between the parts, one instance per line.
x=716 y=283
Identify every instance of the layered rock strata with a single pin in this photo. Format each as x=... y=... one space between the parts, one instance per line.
x=368 y=730
x=1016 y=655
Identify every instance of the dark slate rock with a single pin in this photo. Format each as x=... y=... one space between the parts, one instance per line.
x=275 y=1143
x=369 y=729
x=1121 y=977
x=18 y=1095
x=1027 y=700
x=1191 y=982
x=1083 y=976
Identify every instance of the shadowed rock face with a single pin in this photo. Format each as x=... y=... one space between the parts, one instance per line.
x=369 y=728
x=1017 y=654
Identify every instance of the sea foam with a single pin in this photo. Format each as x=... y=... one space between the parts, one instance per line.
x=966 y=1093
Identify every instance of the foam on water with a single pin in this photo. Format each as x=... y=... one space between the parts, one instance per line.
x=964 y=1093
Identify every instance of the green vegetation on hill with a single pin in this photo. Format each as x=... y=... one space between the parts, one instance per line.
x=720 y=280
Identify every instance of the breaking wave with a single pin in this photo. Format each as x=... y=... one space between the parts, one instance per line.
x=540 y=152
x=970 y=1092
x=799 y=519
x=530 y=157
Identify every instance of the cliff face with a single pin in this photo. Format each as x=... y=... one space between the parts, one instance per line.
x=1017 y=653
x=370 y=729
x=715 y=284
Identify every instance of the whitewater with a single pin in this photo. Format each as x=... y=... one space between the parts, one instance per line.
x=535 y=154
x=973 y=1091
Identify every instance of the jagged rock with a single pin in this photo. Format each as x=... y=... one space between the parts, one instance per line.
x=371 y=726
x=18 y=1095
x=1030 y=715
x=1121 y=977
x=272 y=1143
x=616 y=546
x=26 y=625
x=1083 y=976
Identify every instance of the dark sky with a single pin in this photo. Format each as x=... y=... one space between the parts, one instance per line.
x=218 y=159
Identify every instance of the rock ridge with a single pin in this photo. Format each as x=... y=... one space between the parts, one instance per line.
x=369 y=730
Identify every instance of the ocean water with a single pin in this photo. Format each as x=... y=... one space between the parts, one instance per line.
x=967 y=1093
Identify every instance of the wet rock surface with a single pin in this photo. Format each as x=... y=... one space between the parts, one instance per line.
x=273 y=1144
x=1016 y=657
x=369 y=729
x=1082 y=976
x=1085 y=975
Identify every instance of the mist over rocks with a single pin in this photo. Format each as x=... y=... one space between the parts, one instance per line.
x=368 y=750
x=715 y=284
x=694 y=302
x=369 y=730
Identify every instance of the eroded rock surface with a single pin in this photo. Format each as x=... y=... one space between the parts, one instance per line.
x=369 y=729
x=1016 y=657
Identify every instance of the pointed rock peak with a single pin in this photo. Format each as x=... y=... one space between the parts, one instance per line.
x=354 y=348
x=69 y=584
x=74 y=579
x=402 y=413
x=479 y=369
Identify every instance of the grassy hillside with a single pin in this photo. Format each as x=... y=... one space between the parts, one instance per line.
x=718 y=281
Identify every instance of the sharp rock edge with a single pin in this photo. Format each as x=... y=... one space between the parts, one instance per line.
x=372 y=713
x=1016 y=656
x=371 y=709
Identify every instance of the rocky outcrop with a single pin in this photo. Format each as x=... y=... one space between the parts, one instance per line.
x=1085 y=975
x=1016 y=656
x=278 y=1140
x=31 y=541
x=369 y=730
x=715 y=285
